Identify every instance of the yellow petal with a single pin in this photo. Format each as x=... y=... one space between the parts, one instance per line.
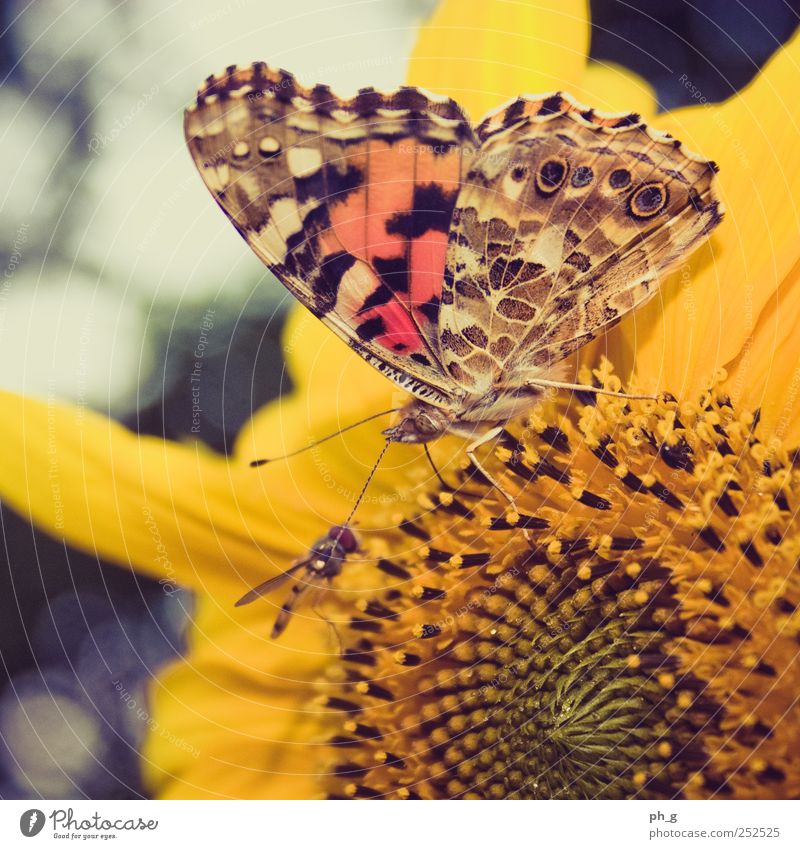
x=709 y=308
x=175 y=512
x=766 y=375
x=482 y=52
x=235 y=718
x=612 y=88
x=180 y=513
x=334 y=388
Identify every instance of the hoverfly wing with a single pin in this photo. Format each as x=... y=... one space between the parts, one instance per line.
x=270 y=585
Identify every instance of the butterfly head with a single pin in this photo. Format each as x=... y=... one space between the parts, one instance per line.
x=420 y=422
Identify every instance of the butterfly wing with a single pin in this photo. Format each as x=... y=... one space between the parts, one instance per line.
x=566 y=222
x=348 y=202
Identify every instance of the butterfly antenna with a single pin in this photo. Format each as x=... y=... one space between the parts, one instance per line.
x=256 y=463
x=442 y=481
x=367 y=482
x=582 y=387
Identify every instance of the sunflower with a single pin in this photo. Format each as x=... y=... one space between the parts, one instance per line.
x=642 y=643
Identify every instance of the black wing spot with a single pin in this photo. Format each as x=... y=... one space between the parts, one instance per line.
x=380 y=296
x=620 y=178
x=393 y=272
x=629 y=120
x=326 y=285
x=579 y=260
x=468 y=289
x=514 y=112
x=515 y=309
x=432 y=209
x=454 y=343
x=339 y=185
x=430 y=309
x=371 y=328
x=475 y=335
x=552 y=106
x=551 y=176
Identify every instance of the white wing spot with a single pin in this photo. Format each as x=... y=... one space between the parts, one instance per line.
x=284 y=221
x=303 y=161
x=217 y=176
x=269 y=145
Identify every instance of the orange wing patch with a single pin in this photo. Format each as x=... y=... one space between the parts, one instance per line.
x=349 y=202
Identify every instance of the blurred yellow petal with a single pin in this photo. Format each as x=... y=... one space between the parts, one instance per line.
x=611 y=88
x=174 y=512
x=334 y=387
x=234 y=719
x=708 y=309
x=482 y=52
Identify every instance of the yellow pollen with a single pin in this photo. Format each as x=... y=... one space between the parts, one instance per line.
x=633 y=570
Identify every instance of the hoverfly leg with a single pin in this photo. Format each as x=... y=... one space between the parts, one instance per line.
x=317 y=597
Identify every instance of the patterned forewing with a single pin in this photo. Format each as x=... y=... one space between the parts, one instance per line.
x=566 y=221
x=349 y=203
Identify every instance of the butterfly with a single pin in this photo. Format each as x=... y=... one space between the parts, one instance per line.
x=464 y=262
x=314 y=573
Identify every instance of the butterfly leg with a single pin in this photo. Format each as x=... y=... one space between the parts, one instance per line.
x=580 y=387
x=472 y=448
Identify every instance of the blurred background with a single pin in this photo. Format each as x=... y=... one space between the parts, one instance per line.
x=113 y=252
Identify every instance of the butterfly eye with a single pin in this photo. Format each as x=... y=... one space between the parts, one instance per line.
x=551 y=176
x=648 y=200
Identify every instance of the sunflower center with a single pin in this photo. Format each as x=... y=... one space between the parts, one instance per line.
x=630 y=630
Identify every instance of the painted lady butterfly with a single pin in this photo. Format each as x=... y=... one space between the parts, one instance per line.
x=465 y=263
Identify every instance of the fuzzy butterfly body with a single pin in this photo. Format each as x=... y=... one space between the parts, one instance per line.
x=465 y=263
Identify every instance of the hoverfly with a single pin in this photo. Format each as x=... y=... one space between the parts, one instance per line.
x=313 y=573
